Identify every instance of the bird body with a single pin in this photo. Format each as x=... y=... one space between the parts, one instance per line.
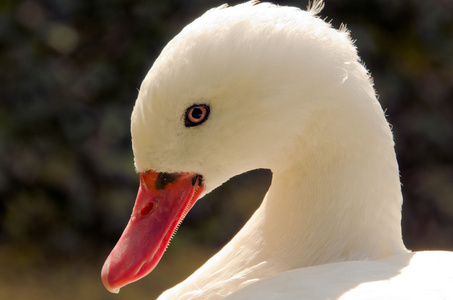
x=420 y=275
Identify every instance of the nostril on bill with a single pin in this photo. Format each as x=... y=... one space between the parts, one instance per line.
x=147 y=209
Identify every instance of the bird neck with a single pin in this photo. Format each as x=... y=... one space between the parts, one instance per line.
x=337 y=197
x=331 y=210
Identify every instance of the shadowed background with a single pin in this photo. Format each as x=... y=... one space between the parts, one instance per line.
x=69 y=73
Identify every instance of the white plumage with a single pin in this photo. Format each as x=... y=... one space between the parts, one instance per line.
x=286 y=92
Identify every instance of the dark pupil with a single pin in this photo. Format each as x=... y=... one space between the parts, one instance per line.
x=197 y=113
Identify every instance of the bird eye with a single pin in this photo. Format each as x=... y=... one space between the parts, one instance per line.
x=196 y=115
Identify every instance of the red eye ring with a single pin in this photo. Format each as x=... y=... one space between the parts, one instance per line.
x=196 y=115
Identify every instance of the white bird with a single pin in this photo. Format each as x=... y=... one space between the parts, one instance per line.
x=263 y=86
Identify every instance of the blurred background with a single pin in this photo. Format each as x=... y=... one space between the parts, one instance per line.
x=69 y=73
